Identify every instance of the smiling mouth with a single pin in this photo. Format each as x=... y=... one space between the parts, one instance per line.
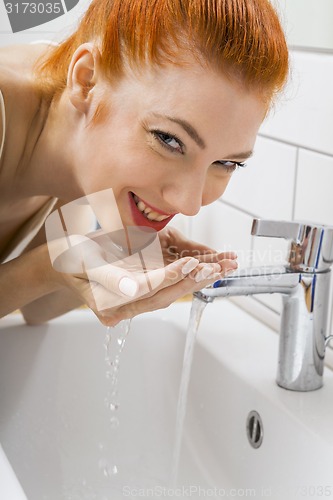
x=149 y=212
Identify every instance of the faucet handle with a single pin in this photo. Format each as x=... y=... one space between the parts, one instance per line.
x=311 y=248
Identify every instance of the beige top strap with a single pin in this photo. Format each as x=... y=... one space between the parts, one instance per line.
x=3 y=120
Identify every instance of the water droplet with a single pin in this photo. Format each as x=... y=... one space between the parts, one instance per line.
x=121 y=342
x=112 y=377
x=114 y=366
x=114 y=393
x=114 y=422
x=106 y=468
x=113 y=406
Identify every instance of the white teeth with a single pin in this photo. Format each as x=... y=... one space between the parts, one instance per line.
x=141 y=206
x=152 y=215
x=161 y=217
x=156 y=216
x=148 y=212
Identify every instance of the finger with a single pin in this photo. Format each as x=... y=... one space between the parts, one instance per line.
x=172 y=273
x=202 y=275
x=160 y=300
x=181 y=277
x=115 y=279
x=186 y=247
x=178 y=271
x=105 y=302
x=205 y=271
x=217 y=256
x=227 y=266
x=125 y=285
x=192 y=248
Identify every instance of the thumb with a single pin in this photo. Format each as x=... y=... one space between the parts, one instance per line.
x=114 y=279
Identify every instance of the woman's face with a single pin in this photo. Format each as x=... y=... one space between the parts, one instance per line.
x=168 y=140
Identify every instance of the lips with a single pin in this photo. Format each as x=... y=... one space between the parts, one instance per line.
x=145 y=214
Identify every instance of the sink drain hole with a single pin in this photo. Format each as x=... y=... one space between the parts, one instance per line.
x=254 y=429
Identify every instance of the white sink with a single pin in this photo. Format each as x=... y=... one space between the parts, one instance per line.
x=55 y=428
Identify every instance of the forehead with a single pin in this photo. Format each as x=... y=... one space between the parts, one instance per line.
x=188 y=88
x=211 y=102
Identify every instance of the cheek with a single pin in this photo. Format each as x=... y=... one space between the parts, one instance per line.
x=214 y=188
x=106 y=164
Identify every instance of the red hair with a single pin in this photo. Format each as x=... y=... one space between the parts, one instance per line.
x=241 y=38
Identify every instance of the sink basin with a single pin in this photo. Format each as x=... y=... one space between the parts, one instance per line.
x=57 y=433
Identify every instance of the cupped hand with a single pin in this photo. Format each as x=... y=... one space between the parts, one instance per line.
x=123 y=289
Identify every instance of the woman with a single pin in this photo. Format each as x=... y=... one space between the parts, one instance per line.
x=158 y=101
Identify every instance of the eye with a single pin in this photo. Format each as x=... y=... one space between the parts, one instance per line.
x=229 y=166
x=169 y=141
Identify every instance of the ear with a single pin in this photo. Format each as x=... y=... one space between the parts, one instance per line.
x=82 y=75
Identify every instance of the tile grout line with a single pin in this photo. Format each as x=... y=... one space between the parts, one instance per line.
x=294 y=144
x=293 y=211
x=235 y=207
x=311 y=50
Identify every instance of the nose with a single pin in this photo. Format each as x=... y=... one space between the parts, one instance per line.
x=189 y=190
x=185 y=193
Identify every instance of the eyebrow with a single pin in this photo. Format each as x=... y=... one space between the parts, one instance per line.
x=241 y=156
x=191 y=131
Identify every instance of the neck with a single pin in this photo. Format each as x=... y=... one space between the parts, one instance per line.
x=46 y=166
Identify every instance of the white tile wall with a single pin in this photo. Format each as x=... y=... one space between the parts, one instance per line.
x=224 y=228
x=311 y=28
x=265 y=188
x=314 y=195
x=305 y=115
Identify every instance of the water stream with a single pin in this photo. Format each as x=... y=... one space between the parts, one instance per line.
x=114 y=344
x=197 y=309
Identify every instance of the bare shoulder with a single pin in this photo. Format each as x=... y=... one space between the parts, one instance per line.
x=16 y=83
x=19 y=59
x=20 y=98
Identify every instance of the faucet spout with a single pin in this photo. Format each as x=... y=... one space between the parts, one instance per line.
x=252 y=282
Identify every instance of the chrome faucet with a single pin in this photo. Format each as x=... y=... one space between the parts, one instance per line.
x=305 y=287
